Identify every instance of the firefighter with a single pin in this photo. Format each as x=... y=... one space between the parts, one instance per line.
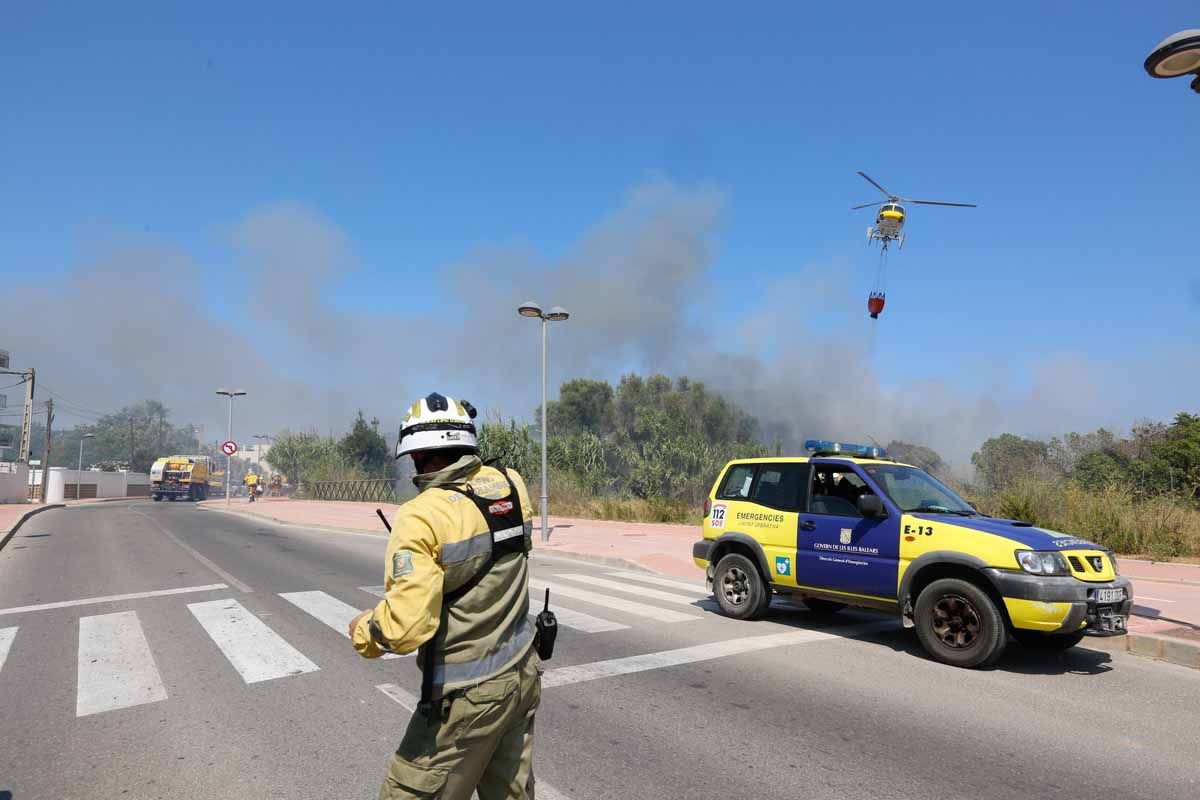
x=251 y=481
x=457 y=587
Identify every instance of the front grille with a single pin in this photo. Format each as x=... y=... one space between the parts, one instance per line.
x=1097 y=563
x=1075 y=563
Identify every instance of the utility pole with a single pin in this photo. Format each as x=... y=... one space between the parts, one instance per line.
x=46 y=455
x=130 y=467
x=27 y=419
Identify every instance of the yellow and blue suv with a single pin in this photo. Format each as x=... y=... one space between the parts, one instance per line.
x=848 y=527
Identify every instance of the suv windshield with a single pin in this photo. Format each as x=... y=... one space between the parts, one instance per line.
x=913 y=489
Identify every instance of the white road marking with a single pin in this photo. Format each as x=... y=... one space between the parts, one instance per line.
x=112 y=598
x=571 y=619
x=256 y=652
x=617 y=603
x=657 y=581
x=566 y=617
x=640 y=591
x=1154 y=599
x=328 y=609
x=6 y=639
x=116 y=668
x=408 y=701
x=703 y=652
x=241 y=587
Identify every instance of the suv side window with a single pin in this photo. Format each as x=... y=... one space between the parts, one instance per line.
x=781 y=486
x=835 y=490
x=737 y=482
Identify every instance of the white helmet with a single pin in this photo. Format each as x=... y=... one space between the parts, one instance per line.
x=437 y=422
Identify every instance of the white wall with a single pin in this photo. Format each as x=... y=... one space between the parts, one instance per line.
x=108 y=484
x=14 y=482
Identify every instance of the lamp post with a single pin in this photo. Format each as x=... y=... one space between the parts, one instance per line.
x=556 y=314
x=262 y=437
x=79 y=466
x=1176 y=56
x=230 y=393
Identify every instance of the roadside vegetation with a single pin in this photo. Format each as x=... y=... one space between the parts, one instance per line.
x=648 y=449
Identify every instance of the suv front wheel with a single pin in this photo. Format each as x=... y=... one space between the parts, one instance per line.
x=958 y=624
x=739 y=589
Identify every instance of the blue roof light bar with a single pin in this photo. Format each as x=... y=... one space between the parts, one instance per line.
x=824 y=447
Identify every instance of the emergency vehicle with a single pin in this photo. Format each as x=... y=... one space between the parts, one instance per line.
x=848 y=527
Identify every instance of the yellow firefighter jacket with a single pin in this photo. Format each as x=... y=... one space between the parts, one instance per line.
x=439 y=541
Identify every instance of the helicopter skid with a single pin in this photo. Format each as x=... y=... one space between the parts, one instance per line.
x=876 y=235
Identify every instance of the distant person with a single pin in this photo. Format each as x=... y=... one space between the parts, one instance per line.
x=251 y=481
x=462 y=543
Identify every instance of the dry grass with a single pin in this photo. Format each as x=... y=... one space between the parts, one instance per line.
x=1157 y=527
x=567 y=501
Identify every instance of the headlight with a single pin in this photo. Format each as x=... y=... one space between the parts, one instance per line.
x=1042 y=563
x=1112 y=559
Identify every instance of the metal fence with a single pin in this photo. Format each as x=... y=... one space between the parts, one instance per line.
x=374 y=490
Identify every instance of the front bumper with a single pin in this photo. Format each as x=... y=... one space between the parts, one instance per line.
x=1062 y=604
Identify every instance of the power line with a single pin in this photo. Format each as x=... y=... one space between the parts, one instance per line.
x=72 y=403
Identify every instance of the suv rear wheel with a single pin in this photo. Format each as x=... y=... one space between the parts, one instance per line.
x=958 y=624
x=739 y=589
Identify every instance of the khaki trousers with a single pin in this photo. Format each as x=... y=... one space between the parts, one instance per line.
x=484 y=743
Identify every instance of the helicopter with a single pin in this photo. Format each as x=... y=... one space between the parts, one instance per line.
x=888 y=228
x=889 y=222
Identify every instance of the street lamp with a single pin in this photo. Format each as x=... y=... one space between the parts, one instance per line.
x=1175 y=56
x=79 y=466
x=556 y=314
x=230 y=393
x=262 y=437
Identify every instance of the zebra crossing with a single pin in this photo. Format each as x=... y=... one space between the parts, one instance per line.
x=116 y=667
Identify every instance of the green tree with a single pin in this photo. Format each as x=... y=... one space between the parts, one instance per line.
x=583 y=406
x=146 y=426
x=1003 y=459
x=1098 y=470
x=364 y=448
x=917 y=455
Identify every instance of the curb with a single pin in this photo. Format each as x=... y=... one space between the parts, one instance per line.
x=609 y=561
x=16 y=526
x=1184 y=652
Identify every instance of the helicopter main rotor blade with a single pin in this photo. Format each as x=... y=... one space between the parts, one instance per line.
x=867 y=205
x=939 y=203
x=871 y=181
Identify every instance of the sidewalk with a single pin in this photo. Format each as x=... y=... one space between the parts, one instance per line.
x=1165 y=622
x=12 y=515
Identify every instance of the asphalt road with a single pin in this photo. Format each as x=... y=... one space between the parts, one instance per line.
x=228 y=674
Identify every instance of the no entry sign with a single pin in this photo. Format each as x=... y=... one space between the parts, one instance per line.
x=229 y=448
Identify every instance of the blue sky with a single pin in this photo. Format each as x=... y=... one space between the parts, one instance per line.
x=425 y=135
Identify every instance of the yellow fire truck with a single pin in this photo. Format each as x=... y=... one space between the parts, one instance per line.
x=180 y=477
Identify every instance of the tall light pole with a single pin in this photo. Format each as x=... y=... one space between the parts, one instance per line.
x=556 y=314
x=262 y=437
x=79 y=467
x=230 y=393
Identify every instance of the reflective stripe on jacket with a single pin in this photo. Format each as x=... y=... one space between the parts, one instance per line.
x=439 y=541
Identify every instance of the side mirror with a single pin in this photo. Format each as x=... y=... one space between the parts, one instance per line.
x=871 y=506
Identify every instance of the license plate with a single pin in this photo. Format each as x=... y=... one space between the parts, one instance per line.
x=1110 y=595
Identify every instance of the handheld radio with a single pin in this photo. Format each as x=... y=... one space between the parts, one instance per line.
x=547 y=630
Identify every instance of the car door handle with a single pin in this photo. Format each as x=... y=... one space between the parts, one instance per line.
x=808 y=526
